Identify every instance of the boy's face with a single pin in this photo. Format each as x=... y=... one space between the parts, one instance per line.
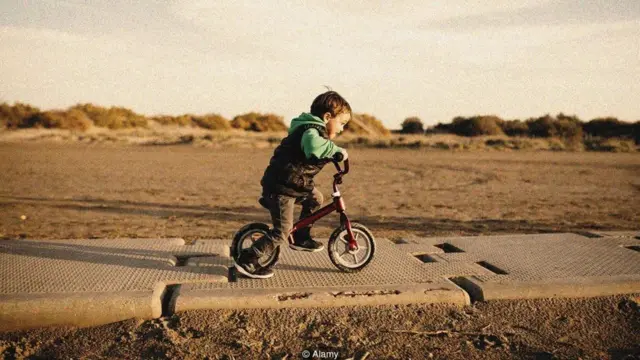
x=335 y=124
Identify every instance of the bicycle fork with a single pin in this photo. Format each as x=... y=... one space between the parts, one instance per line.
x=344 y=221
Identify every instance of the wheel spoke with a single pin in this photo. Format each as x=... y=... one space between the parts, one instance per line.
x=345 y=255
x=254 y=237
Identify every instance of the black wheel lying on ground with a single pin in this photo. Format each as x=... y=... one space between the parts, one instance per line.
x=342 y=257
x=246 y=236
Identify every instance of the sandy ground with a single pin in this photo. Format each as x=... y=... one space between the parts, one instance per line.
x=81 y=191
x=54 y=191
x=601 y=328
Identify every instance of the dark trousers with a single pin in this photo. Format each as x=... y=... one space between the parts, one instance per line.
x=281 y=209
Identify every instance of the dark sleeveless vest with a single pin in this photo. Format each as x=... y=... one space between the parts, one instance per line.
x=289 y=171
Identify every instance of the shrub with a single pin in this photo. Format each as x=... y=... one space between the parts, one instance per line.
x=182 y=120
x=212 y=122
x=16 y=116
x=439 y=128
x=71 y=120
x=412 y=125
x=515 y=128
x=569 y=118
x=258 y=122
x=570 y=131
x=112 y=118
x=541 y=127
x=365 y=124
x=568 y=128
x=209 y=121
x=477 y=125
x=608 y=127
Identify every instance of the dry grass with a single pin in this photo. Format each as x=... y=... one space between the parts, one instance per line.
x=610 y=145
x=157 y=134
x=484 y=143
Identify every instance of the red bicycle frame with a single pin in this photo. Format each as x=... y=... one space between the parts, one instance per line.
x=337 y=205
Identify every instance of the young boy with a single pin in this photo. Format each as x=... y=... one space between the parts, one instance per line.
x=288 y=179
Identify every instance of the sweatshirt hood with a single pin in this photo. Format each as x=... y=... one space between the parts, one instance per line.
x=304 y=119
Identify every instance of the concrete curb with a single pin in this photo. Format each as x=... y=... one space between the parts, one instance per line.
x=438 y=292
x=557 y=288
x=27 y=311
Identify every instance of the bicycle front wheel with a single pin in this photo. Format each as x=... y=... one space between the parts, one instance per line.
x=351 y=260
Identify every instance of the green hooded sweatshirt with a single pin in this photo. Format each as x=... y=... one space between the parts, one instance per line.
x=312 y=143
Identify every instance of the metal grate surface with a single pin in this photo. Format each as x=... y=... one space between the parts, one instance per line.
x=57 y=266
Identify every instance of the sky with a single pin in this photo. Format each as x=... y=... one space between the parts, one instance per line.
x=392 y=59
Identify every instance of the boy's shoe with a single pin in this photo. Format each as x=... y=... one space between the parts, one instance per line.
x=248 y=266
x=254 y=272
x=307 y=245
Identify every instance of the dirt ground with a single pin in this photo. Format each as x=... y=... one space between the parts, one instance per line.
x=53 y=191
x=83 y=191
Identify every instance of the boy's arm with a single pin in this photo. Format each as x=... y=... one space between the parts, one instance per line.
x=316 y=146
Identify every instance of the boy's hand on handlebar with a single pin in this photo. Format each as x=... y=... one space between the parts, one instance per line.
x=340 y=156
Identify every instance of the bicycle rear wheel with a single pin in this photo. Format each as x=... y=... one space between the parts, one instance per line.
x=246 y=236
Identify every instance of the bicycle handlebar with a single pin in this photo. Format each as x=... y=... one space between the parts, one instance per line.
x=342 y=171
x=337 y=178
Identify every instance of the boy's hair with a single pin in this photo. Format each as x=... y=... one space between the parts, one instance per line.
x=330 y=102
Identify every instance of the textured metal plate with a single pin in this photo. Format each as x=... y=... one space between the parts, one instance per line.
x=41 y=272
x=108 y=265
x=618 y=234
x=392 y=265
x=548 y=256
